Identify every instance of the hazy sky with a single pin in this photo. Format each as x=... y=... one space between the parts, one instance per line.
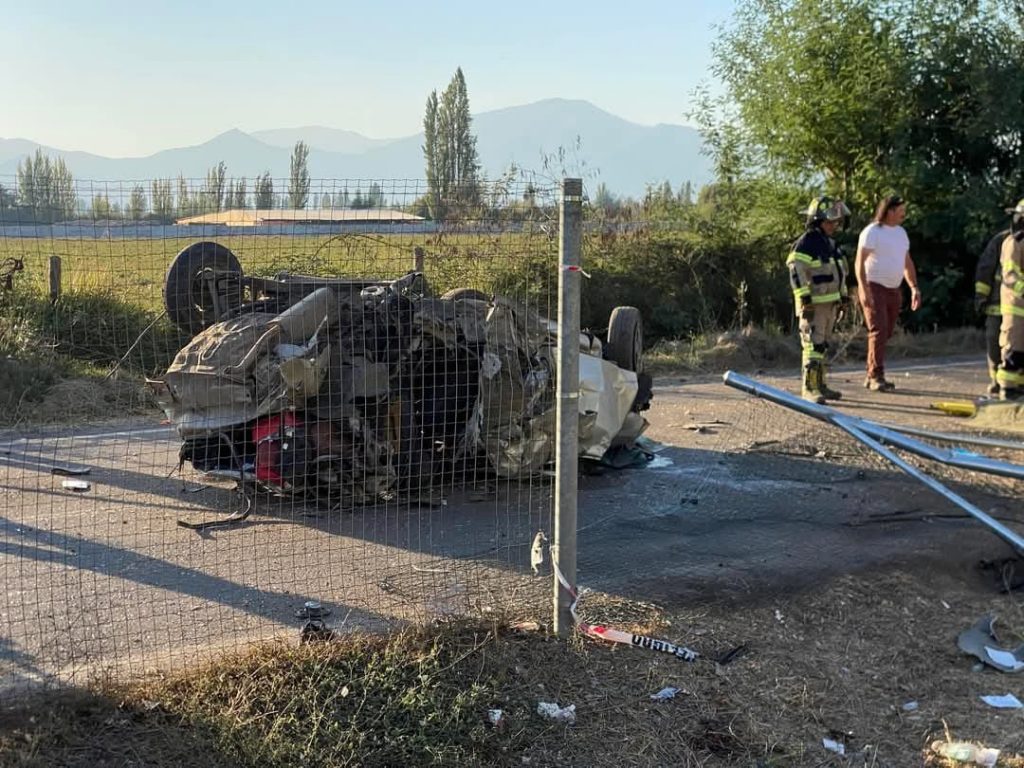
x=125 y=79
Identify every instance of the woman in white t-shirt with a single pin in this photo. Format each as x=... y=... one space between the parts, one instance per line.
x=883 y=262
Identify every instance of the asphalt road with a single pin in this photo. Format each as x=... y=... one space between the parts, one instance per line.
x=745 y=498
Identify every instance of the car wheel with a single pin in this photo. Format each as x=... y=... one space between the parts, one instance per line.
x=187 y=298
x=626 y=339
x=458 y=294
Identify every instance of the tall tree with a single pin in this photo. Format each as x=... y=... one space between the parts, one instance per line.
x=449 y=149
x=46 y=187
x=213 y=191
x=298 y=182
x=101 y=207
x=163 y=199
x=431 y=147
x=137 y=203
x=264 y=192
x=240 y=194
x=186 y=200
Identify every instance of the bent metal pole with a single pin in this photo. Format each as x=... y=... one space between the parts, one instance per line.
x=874 y=435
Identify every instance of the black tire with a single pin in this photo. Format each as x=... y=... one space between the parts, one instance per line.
x=186 y=295
x=626 y=339
x=458 y=294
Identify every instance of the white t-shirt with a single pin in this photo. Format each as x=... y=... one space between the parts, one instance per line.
x=889 y=246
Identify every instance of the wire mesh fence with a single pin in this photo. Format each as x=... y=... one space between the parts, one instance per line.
x=227 y=417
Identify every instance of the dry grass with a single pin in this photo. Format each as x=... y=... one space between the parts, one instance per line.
x=840 y=662
x=752 y=348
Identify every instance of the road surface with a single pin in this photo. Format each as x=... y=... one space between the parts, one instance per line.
x=745 y=498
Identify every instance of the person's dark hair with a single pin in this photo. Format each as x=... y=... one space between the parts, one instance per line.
x=892 y=201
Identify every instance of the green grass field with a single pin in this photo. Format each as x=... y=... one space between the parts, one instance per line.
x=132 y=271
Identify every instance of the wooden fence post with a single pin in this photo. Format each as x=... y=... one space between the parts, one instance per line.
x=54 y=279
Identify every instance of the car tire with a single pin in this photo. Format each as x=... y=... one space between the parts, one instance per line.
x=186 y=296
x=625 y=345
x=459 y=294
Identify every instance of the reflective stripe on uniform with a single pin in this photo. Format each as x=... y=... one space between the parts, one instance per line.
x=982 y=289
x=993 y=309
x=826 y=298
x=1009 y=378
x=801 y=291
x=802 y=257
x=1010 y=309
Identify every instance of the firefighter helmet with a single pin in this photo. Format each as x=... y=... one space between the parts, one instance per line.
x=826 y=209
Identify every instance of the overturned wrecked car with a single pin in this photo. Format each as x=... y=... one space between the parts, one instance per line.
x=348 y=391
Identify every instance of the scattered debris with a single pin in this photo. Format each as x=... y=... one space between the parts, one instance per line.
x=79 y=486
x=69 y=470
x=910 y=706
x=537 y=552
x=496 y=717
x=834 y=746
x=1006 y=701
x=525 y=626
x=314 y=628
x=965 y=752
x=778 y=616
x=664 y=694
x=980 y=641
x=559 y=714
x=732 y=654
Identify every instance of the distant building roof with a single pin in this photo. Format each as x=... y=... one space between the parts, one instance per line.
x=245 y=217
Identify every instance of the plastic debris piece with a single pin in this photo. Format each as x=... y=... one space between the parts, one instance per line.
x=1007 y=701
x=980 y=641
x=664 y=694
x=965 y=752
x=834 y=746
x=910 y=706
x=79 y=486
x=496 y=717
x=537 y=552
x=559 y=714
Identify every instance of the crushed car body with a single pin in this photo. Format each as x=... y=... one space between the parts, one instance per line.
x=351 y=391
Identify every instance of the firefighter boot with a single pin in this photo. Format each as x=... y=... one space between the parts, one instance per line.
x=1011 y=393
x=811 y=389
x=827 y=392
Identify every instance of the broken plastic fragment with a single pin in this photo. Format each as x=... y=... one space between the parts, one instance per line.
x=980 y=641
x=664 y=694
x=496 y=717
x=834 y=746
x=965 y=752
x=1007 y=701
x=537 y=552
x=76 y=485
x=559 y=714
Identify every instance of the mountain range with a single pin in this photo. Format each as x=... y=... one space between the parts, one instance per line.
x=577 y=137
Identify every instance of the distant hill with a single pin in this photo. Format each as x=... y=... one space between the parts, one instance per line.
x=320 y=137
x=597 y=145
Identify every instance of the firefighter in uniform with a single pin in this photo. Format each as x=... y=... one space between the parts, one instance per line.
x=817 y=273
x=1011 y=298
x=987 y=279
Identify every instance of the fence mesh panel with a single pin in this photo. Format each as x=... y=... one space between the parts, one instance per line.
x=374 y=372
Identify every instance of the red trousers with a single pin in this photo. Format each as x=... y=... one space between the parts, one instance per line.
x=881 y=319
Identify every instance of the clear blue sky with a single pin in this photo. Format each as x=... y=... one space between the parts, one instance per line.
x=124 y=79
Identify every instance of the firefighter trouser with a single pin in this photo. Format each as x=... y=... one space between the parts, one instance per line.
x=816 y=331
x=993 y=351
x=1011 y=339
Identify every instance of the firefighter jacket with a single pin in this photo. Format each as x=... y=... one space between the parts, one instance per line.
x=1011 y=293
x=817 y=269
x=988 y=275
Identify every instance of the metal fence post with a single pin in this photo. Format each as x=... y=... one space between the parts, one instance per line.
x=563 y=549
